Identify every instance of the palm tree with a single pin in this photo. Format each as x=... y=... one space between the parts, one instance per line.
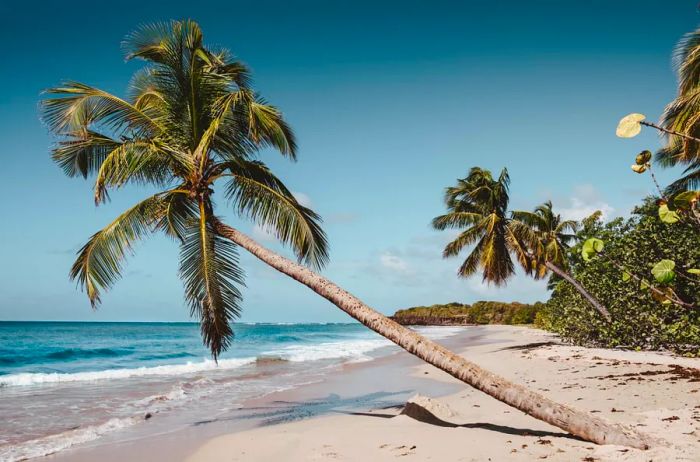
x=480 y=203
x=191 y=119
x=680 y=121
x=550 y=239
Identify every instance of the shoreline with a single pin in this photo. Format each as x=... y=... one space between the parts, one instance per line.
x=354 y=413
x=351 y=381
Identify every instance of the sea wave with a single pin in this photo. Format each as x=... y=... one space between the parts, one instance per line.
x=351 y=349
x=79 y=353
x=54 y=443
x=38 y=378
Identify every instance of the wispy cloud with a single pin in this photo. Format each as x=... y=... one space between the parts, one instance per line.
x=585 y=201
x=302 y=198
x=394 y=263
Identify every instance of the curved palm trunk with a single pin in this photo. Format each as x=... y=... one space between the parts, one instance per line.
x=571 y=420
x=591 y=299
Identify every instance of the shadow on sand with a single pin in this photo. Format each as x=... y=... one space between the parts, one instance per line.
x=289 y=411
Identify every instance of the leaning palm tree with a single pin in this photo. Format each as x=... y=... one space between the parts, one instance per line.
x=190 y=121
x=550 y=238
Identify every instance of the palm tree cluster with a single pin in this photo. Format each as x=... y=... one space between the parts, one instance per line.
x=537 y=240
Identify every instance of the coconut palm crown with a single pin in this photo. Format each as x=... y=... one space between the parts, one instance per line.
x=681 y=115
x=552 y=236
x=191 y=118
x=479 y=203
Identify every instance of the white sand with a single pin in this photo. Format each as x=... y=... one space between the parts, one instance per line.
x=660 y=403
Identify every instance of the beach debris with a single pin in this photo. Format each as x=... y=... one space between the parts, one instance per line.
x=429 y=410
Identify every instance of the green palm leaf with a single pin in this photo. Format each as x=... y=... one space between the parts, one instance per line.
x=83 y=151
x=259 y=195
x=99 y=262
x=210 y=270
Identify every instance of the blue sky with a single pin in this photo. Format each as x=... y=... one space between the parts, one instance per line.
x=391 y=102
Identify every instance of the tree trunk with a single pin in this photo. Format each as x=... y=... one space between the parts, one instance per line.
x=591 y=299
x=571 y=420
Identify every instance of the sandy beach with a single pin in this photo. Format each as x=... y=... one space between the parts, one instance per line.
x=657 y=393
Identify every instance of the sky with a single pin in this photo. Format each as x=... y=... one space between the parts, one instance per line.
x=391 y=102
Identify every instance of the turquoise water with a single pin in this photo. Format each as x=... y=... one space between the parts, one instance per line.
x=40 y=352
x=64 y=384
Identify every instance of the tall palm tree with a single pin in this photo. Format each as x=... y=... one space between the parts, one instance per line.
x=550 y=238
x=682 y=116
x=192 y=119
x=479 y=202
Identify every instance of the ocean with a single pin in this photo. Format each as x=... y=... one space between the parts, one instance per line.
x=68 y=383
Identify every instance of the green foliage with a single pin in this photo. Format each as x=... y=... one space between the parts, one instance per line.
x=481 y=312
x=640 y=318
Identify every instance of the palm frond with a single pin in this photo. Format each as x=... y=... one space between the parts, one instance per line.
x=456 y=220
x=75 y=106
x=179 y=212
x=268 y=128
x=99 y=262
x=210 y=270
x=466 y=238
x=133 y=161
x=495 y=260
x=82 y=152
x=257 y=194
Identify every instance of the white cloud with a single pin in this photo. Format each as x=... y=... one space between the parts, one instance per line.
x=263 y=233
x=585 y=201
x=302 y=198
x=393 y=262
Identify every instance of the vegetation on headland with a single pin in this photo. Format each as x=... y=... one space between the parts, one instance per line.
x=458 y=314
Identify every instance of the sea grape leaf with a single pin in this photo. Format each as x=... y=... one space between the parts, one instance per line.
x=629 y=125
x=667 y=215
x=664 y=296
x=591 y=247
x=664 y=272
x=686 y=199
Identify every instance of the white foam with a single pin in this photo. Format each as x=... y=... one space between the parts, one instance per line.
x=350 y=349
x=439 y=332
x=25 y=379
x=54 y=443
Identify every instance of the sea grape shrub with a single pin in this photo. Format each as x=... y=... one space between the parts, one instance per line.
x=638 y=243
